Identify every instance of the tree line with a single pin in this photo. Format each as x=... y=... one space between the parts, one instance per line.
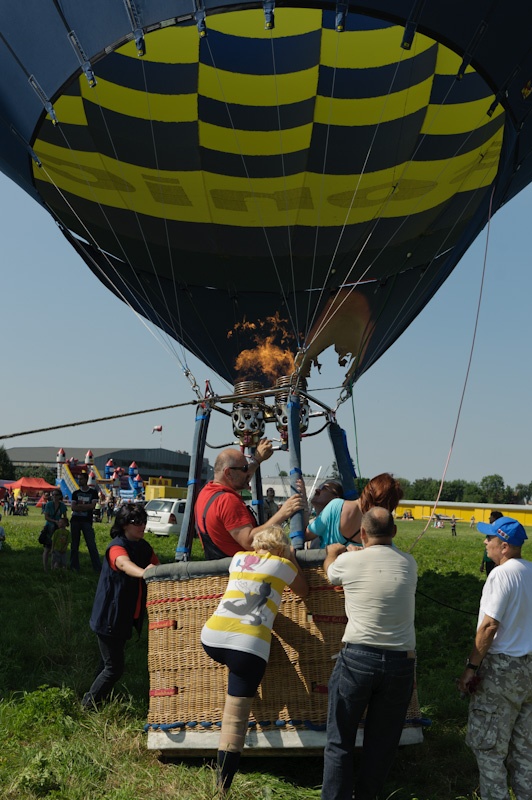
x=491 y=489
x=8 y=472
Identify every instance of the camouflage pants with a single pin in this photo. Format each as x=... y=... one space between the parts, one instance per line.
x=499 y=730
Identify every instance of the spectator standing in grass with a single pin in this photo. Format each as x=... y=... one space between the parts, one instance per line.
x=120 y=601
x=270 y=506
x=498 y=672
x=110 y=508
x=84 y=502
x=375 y=668
x=60 y=544
x=55 y=514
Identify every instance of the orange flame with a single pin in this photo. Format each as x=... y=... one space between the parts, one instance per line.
x=271 y=356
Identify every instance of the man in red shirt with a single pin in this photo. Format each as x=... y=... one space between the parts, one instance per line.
x=224 y=522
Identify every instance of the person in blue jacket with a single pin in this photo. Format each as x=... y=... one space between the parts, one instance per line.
x=120 y=600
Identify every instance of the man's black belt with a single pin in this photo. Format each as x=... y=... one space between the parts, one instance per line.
x=380 y=651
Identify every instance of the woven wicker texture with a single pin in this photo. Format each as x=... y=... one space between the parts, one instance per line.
x=187 y=687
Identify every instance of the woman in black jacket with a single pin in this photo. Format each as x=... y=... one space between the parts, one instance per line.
x=120 y=600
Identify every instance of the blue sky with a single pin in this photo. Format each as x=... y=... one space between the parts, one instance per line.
x=72 y=351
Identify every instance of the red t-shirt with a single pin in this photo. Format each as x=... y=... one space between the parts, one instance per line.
x=225 y=514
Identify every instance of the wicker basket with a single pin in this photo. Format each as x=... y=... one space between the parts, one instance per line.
x=187 y=688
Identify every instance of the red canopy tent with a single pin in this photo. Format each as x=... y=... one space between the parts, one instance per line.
x=30 y=485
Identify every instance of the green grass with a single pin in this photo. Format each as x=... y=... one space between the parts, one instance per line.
x=52 y=749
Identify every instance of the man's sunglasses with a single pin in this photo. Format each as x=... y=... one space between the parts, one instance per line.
x=241 y=469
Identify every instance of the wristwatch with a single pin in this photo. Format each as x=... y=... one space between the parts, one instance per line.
x=469 y=665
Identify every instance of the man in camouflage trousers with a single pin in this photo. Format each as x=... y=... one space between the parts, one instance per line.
x=498 y=673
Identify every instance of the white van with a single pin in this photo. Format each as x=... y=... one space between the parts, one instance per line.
x=165 y=516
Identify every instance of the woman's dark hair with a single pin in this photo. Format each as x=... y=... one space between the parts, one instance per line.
x=335 y=487
x=128 y=513
x=382 y=490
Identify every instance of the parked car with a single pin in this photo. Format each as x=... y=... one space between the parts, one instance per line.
x=165 y=516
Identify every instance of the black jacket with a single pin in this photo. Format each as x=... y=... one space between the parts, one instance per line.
x=117 y=593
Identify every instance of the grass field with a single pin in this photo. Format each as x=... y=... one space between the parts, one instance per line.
x=51 y=749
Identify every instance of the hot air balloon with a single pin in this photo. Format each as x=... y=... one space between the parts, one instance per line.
x=304 y=174
x=264 y=182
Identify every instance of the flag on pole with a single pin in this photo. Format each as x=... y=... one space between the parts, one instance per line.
x=157 y=428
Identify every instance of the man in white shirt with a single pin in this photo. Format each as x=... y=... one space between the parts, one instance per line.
x=375 y=668
x=498 y=672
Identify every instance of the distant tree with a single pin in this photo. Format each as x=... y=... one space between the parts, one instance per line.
x=7 y=470
x=453 y=491
x=407 y=488
x=472 y=493
x=36 y=472
x=493 y=488
x=283 y=473
x=425 y=489
x=360 y=483
x=335 y=472
x=522 y=493
x=510 y=496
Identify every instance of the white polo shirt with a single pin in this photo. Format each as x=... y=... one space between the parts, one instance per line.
x=379 y=583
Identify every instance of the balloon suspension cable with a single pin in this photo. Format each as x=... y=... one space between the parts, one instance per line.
x=253 y=194
x=378 y=216
x=390 y=334
x=162 y=336
x=158 y=336
x=308 y=323
x=159 y=321
x=355 y=434
x=195 y=388
x=281 y=151
x=130 y=209
x=354 y=195
x=471 y=351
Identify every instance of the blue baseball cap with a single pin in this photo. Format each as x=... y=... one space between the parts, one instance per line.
x=505 y=528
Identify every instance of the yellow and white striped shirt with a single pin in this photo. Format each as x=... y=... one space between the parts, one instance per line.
x=246 y=613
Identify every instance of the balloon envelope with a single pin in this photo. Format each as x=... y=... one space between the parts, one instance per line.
x=294 y=187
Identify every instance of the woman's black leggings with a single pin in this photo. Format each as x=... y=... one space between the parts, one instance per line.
x=245 y=669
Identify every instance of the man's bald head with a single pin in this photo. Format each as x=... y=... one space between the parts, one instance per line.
x=378 y=523
x=227 y=458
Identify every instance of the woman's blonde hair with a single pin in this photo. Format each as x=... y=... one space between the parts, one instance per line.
x=272 y=539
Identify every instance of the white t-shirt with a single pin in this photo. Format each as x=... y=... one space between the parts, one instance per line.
x=379 y=583
x=507 y=597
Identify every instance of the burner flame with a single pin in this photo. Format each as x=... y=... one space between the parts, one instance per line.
x=271 y=356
